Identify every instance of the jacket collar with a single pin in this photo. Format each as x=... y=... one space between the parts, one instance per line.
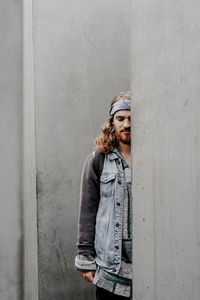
x=112 y=155
x=115 y=154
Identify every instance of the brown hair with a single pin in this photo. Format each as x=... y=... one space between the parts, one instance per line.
x=107 y=140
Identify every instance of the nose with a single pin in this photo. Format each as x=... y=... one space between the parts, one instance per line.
x=127 y=123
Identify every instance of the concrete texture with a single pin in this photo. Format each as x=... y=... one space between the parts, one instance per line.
x=10 y=145
x=81 y=61
x=166 y=139
x=30 y=251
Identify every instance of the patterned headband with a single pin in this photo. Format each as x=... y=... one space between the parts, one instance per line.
x=122 y=104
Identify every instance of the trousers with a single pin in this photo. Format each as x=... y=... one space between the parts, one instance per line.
x=102 y=294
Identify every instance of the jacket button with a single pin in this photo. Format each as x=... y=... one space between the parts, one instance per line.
x=117 y=224
x=119 y=181
x=118 y=203
x=117 y=247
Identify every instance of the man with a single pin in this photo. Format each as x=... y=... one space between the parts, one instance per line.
x=105 y=220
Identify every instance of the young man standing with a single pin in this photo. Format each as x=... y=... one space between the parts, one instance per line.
x=105 y=221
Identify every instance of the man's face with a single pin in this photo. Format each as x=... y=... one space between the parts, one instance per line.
x=122 y=126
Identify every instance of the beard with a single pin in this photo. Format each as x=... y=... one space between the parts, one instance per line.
x=125 y=139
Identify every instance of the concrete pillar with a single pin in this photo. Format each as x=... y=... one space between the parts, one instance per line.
x=30 y=251
x=81 y=61
x=11 y=150
x=166 y=144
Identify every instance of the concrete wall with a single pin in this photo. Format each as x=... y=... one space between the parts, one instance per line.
x=10 y=145
x=81 y=61
x=166 y=139
x=81 y=52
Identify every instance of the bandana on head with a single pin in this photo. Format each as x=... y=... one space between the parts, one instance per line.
x=122 y=104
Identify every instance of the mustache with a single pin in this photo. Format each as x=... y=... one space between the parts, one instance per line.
x=126 y=130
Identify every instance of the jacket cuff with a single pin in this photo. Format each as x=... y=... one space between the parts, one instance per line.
x=85 y=263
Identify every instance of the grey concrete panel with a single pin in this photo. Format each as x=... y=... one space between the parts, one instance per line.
x=10 y=145
x=30 y=251
x=166 y=139
x=82 y=60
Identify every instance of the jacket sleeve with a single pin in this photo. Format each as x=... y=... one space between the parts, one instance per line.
x=85 y=263
x=89 y=201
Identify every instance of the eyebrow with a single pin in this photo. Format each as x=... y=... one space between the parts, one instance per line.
x=122 y=117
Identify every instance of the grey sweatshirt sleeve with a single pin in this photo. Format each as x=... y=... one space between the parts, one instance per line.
x=85 y=263
x=89 y=201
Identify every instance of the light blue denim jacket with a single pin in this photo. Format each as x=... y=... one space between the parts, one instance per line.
x=108 y=231
x=100 y=217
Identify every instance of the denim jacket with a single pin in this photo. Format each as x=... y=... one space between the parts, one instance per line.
x=101 y=211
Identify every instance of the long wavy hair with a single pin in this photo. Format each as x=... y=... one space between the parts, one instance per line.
x=105 y=142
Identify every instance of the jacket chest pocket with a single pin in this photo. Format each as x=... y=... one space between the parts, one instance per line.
x=107 y=184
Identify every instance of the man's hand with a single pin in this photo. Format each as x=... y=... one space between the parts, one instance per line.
x=88 y=275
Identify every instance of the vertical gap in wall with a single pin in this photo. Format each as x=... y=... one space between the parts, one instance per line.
x=30 y=250
x=21 y=247
x=132 y=99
